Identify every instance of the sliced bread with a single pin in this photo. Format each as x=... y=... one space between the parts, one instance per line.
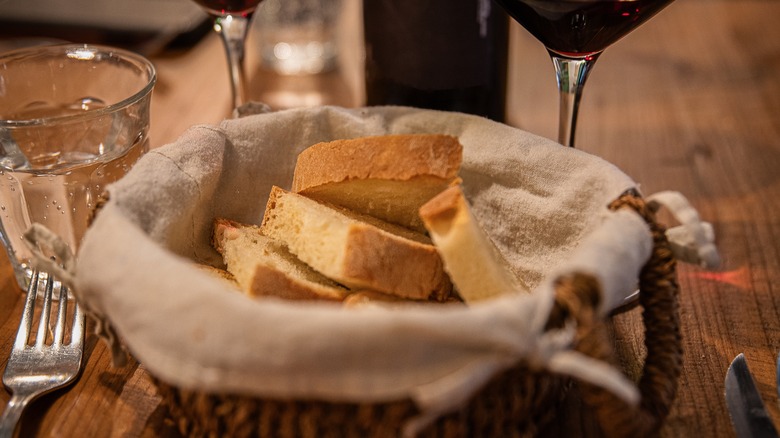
x=221 y=274
x=263 y=266
x=388 y=176
x=474 y=264
x=356 y=250
x=365 y=298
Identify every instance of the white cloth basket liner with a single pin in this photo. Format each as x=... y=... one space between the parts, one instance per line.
x=544 y=205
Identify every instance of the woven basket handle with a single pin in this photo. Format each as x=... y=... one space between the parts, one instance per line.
x=578 y=296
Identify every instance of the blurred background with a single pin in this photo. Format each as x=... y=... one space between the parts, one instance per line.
x=168 y=28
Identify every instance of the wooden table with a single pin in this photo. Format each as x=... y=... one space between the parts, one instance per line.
x=688 y=102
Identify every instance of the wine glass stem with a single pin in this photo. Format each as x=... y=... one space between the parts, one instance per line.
x=571 y=74
x=233 y=29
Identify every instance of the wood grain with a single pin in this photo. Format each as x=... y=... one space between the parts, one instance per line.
x=688 y=102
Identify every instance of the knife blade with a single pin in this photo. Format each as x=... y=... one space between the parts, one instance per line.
x=746 y=409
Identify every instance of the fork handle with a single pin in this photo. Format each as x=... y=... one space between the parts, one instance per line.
x=12 y=414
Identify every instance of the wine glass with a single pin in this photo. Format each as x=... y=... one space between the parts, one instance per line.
x=575 y=32
x=232 y=19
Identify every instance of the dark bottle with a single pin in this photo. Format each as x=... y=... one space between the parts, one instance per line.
x=437 y=54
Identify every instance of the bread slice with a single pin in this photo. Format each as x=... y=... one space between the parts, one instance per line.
x=366 y=298
x=388 y=177
x=264 y=267
x=356 y=250
x=476 y=268
x=369 y=298
x=221 y=274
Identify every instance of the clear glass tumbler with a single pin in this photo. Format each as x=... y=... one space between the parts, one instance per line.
x=73 y=119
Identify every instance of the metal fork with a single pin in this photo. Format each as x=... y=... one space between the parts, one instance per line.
x=37 y=368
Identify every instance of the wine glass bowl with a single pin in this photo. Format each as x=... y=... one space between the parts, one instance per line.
x=231 y=22
x=575 y=33
x=223 y=7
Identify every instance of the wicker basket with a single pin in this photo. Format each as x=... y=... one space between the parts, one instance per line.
x=515 y=403
x=519 y=401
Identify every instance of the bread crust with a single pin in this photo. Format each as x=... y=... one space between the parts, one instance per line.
x=265 y=277
x=378 y=260
x=220 y=274
x=268 y=281
x=388 y=177
x=365 y=256
x=393 y=157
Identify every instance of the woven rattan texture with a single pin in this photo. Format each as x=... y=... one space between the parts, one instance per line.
x=513 y=404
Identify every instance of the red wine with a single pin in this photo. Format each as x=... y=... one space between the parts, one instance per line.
x=579 y=28
x=437 y=54
x=219 y=7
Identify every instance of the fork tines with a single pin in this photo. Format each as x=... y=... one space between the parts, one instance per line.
x=34 y=370
x=44 y=327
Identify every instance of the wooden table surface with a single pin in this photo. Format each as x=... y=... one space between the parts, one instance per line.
x=688 y=102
